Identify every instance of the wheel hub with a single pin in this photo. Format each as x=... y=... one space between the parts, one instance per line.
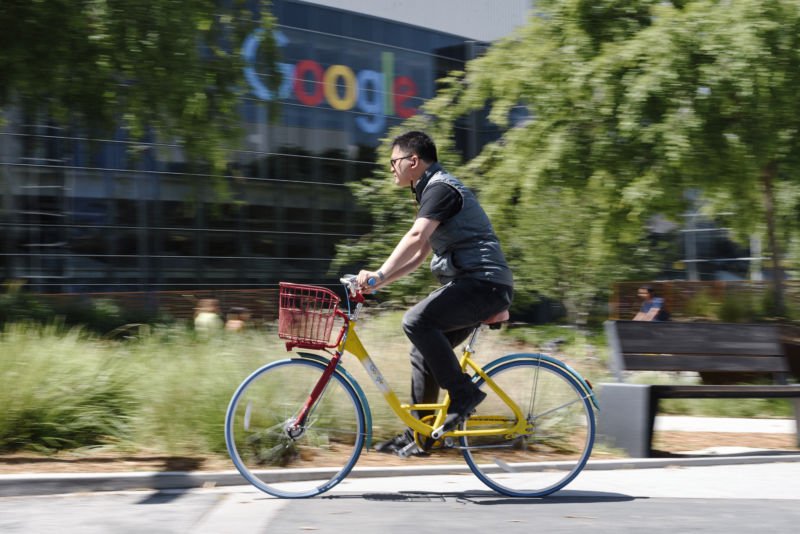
x=292 y=430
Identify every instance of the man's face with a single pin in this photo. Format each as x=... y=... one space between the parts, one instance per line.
x=402 y=163
x=644 y=294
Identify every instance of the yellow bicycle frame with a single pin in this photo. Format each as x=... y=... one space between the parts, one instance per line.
x=352 y=344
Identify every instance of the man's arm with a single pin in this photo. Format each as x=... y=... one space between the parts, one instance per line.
x=652 y=313
x=409 y=254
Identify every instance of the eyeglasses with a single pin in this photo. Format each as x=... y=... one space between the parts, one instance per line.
x=395 y=160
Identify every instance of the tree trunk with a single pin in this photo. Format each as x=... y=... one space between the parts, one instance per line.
x=767 y=176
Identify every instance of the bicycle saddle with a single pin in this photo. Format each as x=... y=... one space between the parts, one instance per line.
x=497 y=318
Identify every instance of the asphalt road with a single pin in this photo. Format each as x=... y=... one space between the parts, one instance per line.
x=721 y=498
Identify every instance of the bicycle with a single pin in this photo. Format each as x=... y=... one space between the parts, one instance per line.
x=530 y=437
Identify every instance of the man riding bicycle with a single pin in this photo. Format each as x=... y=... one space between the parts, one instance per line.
x=467 y=260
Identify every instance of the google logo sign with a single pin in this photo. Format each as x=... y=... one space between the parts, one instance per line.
x=376 y=94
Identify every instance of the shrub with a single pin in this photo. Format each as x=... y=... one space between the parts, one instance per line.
x=99 y=315
x=184 y=383
x=58 y=392
x=737 y=308
x=702 y=306
x=17 y=305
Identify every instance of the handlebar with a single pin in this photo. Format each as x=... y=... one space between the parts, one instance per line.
x=349 y=280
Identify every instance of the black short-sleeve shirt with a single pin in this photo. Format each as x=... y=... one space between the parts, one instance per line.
x=439 y=201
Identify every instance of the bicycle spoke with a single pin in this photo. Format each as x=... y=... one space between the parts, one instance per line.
x=534 y=386
x=504 y=466
x=557 y=408
x=248 y=412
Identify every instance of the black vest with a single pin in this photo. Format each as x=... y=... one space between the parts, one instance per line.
x=465 y=246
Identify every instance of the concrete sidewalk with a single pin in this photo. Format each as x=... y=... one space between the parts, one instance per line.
x=56 y=483
x=724 y=424
x=732 y=499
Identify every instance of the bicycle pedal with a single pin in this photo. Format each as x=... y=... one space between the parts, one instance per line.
x=447 y=427
x=408 y=450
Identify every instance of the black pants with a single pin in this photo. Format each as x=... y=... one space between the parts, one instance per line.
x=437 y=324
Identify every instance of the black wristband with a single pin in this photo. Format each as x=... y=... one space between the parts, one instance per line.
x=380 y=275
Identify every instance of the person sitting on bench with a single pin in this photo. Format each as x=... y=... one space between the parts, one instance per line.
x=652 y=307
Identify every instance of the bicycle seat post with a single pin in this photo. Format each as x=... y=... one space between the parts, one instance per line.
x=469 y=348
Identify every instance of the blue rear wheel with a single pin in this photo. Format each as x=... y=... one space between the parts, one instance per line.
x=558 y=438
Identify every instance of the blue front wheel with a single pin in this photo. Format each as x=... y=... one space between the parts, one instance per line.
x=277 y=455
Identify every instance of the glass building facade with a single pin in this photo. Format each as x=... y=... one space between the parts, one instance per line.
x=82 y=215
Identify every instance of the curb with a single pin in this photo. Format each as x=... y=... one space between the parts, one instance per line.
x=59 y=483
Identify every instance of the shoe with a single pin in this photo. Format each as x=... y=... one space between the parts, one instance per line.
x=390 y=446
x=402 y=445
x=460 y=408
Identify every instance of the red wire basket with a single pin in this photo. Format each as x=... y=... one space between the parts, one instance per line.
x=306 y=314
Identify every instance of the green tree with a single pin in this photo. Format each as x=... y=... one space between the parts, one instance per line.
x=164 y=68
x=710 y=90
x=561 y=228
x=630 y=104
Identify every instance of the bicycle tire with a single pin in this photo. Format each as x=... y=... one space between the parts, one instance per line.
x=559 y=438
x=325 y=449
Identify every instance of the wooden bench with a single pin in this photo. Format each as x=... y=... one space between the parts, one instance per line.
x=627 y=411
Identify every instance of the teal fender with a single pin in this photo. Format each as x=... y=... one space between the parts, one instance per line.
x=549 y=359
x=341 y=371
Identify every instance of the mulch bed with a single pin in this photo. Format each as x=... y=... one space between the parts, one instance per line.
x=665 y=443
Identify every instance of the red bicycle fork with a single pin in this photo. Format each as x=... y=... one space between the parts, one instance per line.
x=322 y=383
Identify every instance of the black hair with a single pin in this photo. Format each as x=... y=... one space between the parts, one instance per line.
x=418 y=143
x=647 y=287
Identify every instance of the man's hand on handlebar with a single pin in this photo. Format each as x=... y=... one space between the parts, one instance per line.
x=368 y=281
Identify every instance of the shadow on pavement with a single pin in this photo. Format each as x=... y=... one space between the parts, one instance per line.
x=163 y=497
x=489 y=498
